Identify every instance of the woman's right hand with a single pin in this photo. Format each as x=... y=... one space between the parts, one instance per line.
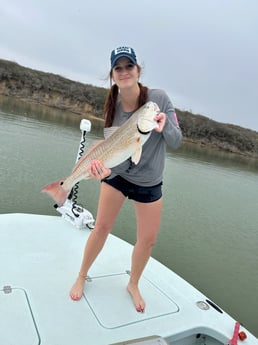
x=97 y=170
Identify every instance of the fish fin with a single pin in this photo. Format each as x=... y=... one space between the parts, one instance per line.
x=57 y=192
x=109 y=131
x=92 y=147
x=136 y=156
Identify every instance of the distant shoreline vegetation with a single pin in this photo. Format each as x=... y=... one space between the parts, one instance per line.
x=84 y=99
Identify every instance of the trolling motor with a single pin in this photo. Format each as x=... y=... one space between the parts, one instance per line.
x=72 y=212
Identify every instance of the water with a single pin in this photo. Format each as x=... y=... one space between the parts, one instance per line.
x=209 y=232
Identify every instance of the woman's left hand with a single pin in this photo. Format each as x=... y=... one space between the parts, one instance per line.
x=161 y=120
x=97 y=170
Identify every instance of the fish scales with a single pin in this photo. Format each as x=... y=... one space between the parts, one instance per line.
x=103 y=151
x=125 y=142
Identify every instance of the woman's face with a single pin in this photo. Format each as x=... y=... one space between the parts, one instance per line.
x=125 y=74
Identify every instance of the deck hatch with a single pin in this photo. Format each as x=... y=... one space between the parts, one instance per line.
x=17 y=324
x=115 y=309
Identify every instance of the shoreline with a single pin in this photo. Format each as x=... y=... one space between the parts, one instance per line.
x=56 y=92
x=201 y=143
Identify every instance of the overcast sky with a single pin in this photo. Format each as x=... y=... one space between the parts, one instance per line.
x=204 y=53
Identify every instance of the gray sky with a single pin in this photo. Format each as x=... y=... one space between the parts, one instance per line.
x=204 y=53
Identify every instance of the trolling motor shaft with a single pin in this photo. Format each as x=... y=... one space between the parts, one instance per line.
x=76 y=214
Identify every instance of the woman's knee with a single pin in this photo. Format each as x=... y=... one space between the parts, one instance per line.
x=147 y=242
x=102 y=229
x=147 y=236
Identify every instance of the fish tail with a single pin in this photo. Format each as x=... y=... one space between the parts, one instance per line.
x=57 y=191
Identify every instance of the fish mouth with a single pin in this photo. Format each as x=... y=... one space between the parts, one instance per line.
x=156 y=108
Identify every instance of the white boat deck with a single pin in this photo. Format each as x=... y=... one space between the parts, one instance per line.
x=39 y=260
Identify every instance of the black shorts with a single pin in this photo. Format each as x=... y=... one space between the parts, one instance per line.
x=135 y=192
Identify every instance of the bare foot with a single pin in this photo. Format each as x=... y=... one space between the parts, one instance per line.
x=76 y=291
x=136 y=297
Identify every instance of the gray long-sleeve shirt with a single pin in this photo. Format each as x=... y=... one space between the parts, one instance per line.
x=149 y=170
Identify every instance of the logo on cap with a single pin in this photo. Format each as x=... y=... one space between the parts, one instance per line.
x=126 y=50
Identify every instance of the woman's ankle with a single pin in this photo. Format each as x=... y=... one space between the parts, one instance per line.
x=82 y=275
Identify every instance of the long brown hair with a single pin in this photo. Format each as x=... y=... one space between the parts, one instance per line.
x=111 y=100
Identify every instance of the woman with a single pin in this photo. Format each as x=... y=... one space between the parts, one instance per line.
x=142 y=182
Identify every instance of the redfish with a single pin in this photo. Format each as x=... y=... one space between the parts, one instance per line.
x=126 y=141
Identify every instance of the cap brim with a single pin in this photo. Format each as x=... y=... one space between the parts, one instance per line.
x=120 y=56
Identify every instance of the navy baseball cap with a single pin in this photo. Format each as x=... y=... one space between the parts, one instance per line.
x=123 y=52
